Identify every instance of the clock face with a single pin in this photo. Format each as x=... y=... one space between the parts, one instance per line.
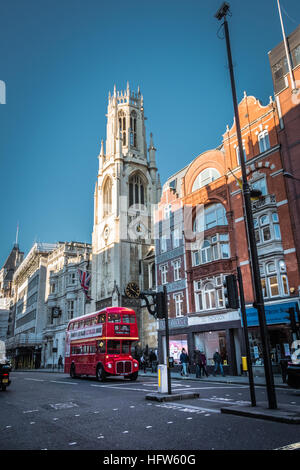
x=132 y=290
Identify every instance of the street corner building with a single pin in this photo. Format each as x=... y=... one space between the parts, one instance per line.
x=202 y=235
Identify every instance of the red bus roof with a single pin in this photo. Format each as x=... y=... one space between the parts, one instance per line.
x=107 y=309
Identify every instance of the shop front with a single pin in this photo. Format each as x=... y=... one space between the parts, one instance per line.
x=280 y=335
x=207 y=333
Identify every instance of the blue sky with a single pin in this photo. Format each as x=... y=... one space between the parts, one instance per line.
x=59 y=60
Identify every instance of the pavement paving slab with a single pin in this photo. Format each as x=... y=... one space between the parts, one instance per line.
x=284 y=413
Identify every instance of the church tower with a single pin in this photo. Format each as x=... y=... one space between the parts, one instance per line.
x=126 y=191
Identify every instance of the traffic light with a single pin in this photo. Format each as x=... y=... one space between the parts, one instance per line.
x=291 y=317
x=231 y=292
x=156 y=305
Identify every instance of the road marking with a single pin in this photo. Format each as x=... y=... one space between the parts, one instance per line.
x=72 y=443
x=123 y=388
x=60 y=406
x=60 y=382
x=30 y=411
x=295 y=446
x=187 y=408
x=35 y=380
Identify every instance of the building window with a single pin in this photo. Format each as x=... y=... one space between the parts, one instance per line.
x=70 y=309
x=107 y=197
x=71 y=279
x=214 y=215
x=261 y=185
x=205 y=177
x=167 y=211
x=133 y=139
x=176 y=267
x=267 y=227
x=212 y=249
x=163 y=244
x=178 y=298
x=164 y=272
x=175 y=238
x=274 y=279
x=209 y=295
x=136 y=191
x=263 y=141
x=122 y=126
x=237 y=151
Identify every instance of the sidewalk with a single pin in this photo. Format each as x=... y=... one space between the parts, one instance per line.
x=228 y=379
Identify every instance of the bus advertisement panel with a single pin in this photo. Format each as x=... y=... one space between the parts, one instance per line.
x=100 y=344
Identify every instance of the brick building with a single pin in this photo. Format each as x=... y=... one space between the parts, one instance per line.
x=208 y=197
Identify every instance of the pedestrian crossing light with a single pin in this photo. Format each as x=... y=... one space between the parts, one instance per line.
x=231 y=292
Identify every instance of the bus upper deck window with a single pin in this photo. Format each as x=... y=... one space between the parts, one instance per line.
x=128 y=318
x=101 y=318
x=114 y=318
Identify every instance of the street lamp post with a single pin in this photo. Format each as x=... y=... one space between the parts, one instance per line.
x=259 y=301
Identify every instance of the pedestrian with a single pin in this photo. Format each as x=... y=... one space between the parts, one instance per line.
x=203 y=364
x=197 y=362
x=284 y=365
x=153 y=360
x=184 y=359
x=60 y=362
x=218 y=363
x=144 y=362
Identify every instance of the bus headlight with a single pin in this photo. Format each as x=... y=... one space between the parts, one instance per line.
x=109 y=366
x=135 y=364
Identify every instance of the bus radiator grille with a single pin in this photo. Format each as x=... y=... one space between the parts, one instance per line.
x=123 y=367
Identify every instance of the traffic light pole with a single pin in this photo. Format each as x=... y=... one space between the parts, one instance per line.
x=244 y=318
x=259 y=301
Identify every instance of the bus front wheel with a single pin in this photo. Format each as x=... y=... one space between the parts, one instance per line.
x=133 y=376
x=100 y=374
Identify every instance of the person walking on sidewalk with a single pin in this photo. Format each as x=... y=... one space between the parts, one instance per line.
x=184 y=359
x=203 y=364
x=60 y=362
x=218 y=363
x=198 y=363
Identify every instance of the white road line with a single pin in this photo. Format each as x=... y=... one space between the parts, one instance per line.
x=187 y=407
x=35 y=380
x=295 y=446
x=60 y=382
x=118 y=388
x=30 y=411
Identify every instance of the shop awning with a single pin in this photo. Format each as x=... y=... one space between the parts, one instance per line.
x=275 y=314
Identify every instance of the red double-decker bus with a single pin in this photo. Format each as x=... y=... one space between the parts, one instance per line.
x=100 y=344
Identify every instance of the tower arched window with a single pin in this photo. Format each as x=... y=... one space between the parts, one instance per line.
x=136 y=190
x=122 y=126
x=133 y=139
x=107 y=197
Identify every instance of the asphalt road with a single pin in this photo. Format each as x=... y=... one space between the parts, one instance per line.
x=51 y=411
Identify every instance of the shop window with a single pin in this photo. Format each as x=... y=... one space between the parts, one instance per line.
x=209 y=342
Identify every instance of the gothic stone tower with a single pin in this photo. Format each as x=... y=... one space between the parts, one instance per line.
x=127 y=188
